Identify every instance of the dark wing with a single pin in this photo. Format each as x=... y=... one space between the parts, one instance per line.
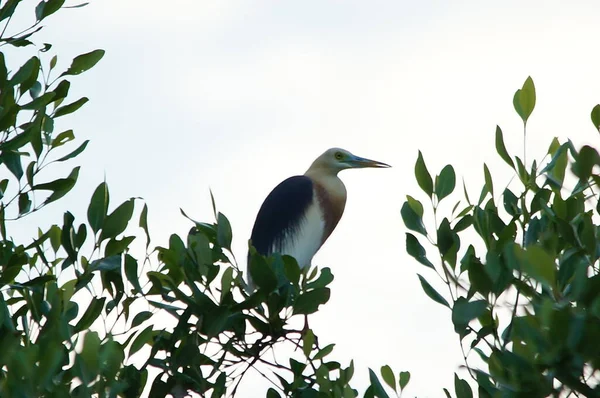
x=281 y=213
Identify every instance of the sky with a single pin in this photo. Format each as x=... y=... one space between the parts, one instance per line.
x=235 y=96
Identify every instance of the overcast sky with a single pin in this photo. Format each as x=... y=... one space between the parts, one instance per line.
x=237 y=95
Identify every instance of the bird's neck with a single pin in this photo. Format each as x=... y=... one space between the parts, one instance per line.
x=331 y=193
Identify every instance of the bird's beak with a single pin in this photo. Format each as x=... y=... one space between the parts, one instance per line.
x=358 y=162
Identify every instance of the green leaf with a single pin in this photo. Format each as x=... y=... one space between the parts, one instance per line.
x=388 y=376
x=309 y=302
x=70 y=108
x=324 y=279
x=462 y=388
x=76 y=152
x=489 y=183
x=415 y=205
x=226 y=280
x=510 y=202
x=464 y=311
x=596 y=117
x=116 y=222
x=423 y=177
x=144 y=223
x=131 y=272
x=501 y=148
x=432 y=293
x=404 y=379
x=272 y=393
x=412 y=220
x=59 y=187
x=142 y=338
x=83 y=62
x=524 y=100
x=378 y=390
x=90 y=315
x=323 y=352
x=224 y=234
x=140 y=318
x=307 y=342
x=414 y=248
x=47 y=8
x=98 y=207
x=539 y=264
x=24 y=203
x=63 y=138
x=262 y=275
x=445 y=183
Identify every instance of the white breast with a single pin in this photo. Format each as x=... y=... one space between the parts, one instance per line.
x=305 y=241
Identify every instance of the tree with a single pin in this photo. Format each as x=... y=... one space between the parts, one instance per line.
x=537 y=250
x=76 y=305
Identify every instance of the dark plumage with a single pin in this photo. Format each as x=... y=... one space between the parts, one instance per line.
x=281 y=213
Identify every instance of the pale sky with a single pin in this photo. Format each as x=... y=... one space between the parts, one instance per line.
x=236 y=96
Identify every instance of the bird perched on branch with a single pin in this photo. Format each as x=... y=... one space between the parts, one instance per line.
x=301 y=213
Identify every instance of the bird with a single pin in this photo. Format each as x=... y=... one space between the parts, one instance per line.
x=301 y=212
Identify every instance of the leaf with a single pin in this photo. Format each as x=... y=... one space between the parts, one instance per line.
x=432 y=293
x=272 y=393
x=524 y=100
x=414 y=248
x=63 y=138
x=142 y=338
x=24 y=203
x=540 y=265
x=445 y=184
x=422 y=175
x=415 y=205
x=140 y=318
x=464 y=311
x=70 y=108
x=388 y=376
x=462 y=388
x=378 y=390
x=47 y=8
x=98 y=207
x=226 y=280
x=262 y=275
x=309 y=302
x=116 y=222
x=111 y=263
x=596 y=117
x=510 y=202
x=224 y=234
x=59 y=187
x=404 y=379
x=323 y=352
x=90 y=315
x=324 y=279
x=144 y=223
x=131 y=272
x=76 y=152
x=307 y=342
x=412 y=220
x=489 y=183
x=84 y=62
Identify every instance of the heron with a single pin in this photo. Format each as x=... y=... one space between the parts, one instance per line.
x=301 y=212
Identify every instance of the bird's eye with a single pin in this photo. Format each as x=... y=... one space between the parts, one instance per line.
x=338 y=155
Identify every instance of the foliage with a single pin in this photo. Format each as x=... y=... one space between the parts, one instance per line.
x=524 y=295
x=80 y=315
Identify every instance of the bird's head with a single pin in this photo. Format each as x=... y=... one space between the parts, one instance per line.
x=336 y=159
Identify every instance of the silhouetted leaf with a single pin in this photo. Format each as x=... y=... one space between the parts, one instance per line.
x=91 y=314
x=98 y=207
x=404 y=379
x=412 y=220
x=116 y=222
x=414 y=248
x=423 y=177
x=432 y=293
x=501 y=148
x=83 y=62
x=596 y=117
x=445 y=183
x=308 y=302
x=388 y=376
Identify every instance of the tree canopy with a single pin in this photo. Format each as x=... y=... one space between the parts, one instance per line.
x=83 y=314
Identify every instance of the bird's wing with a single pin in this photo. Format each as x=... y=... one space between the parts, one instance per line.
x=290 y=221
